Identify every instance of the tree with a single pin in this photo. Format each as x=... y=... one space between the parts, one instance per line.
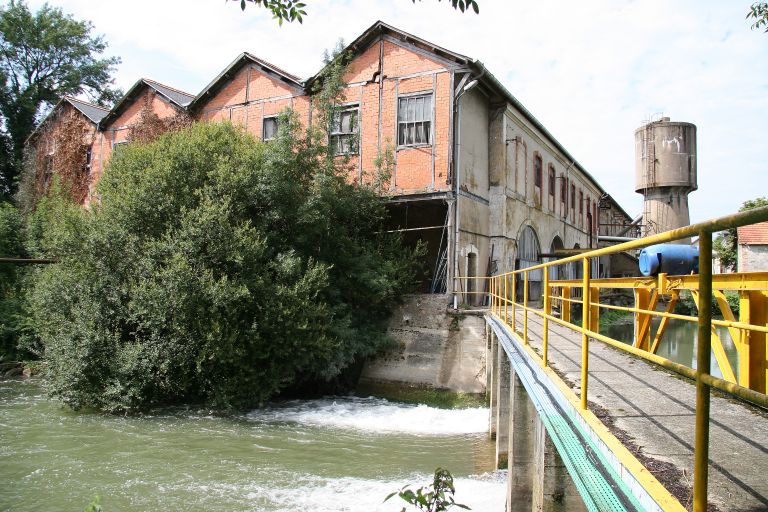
x=726 y=243
x=217 y=269
x=293 y=10
x=759 y=13
x=44 y=56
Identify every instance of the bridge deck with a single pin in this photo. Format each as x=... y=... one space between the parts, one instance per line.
x=652 y=412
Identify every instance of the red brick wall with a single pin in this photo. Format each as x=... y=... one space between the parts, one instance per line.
x=119 y=129
x=267 y=96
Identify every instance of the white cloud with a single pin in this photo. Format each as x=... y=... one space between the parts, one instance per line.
x=590 y=71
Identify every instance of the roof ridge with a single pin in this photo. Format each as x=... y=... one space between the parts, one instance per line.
x=275 y=67
x=69 y=97
x=150 y=80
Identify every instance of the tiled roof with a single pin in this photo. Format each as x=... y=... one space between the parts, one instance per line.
x=93 y=112
x=181 y=98
x=754 y=234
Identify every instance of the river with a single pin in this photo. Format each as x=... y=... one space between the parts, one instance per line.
x=334 y=454
x=679 y=342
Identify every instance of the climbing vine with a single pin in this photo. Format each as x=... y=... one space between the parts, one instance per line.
x=149 y=126
x=62 y=148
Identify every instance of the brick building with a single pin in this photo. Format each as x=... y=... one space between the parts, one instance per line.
x=475 y=175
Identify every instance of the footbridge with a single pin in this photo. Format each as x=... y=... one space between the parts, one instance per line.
x=616 y=425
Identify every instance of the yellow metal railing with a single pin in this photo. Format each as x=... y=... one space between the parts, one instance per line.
x=748 y=332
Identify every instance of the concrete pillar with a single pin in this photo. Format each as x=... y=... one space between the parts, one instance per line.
x=522 y=414
x=493 y=357
x=502 y=408
x=553 y=487
x=488 y=361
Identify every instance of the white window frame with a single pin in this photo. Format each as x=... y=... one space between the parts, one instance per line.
x=337 y=134
x=424 y=119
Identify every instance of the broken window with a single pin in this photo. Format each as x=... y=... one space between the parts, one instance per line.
x=344 y=131
x=269 y=128
x=414 y=120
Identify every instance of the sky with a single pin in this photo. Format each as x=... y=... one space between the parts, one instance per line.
x=590 y=71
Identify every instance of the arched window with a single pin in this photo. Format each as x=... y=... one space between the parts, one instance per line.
x=557 y=272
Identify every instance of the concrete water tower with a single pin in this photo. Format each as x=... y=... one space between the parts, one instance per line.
x=665 y=173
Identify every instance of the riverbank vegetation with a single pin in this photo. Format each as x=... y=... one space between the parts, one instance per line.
x=216 y=269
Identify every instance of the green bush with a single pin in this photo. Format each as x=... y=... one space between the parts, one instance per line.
x=215 y=269
x=12 y=317
x=686 y=306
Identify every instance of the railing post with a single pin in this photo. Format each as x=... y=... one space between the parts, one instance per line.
x=547 y=311
x=514 y=298
x=584 y=337
x=525 y=307
x=494 y=299
x=704 y=341
x=565 y=306
x=506 y=299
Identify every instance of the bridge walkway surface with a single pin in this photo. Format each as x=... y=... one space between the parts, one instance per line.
x=652 y=412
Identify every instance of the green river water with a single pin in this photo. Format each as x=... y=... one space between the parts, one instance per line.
x=335 y=454
x=679 y=342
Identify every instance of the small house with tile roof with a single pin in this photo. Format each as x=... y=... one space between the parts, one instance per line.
x=752 y=248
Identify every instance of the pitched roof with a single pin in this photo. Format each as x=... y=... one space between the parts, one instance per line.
x=91 y=111
x=178 y=98
x=181 y=98
x=236 y=65
x=754 y=234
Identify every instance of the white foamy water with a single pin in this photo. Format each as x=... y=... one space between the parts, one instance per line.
x=482 y=493
x=377 y=416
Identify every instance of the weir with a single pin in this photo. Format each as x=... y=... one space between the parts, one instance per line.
x=600 y=429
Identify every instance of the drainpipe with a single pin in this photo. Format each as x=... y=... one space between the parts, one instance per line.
x=464 y=85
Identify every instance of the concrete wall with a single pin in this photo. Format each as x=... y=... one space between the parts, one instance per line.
x=435 y=349
x=498 y=196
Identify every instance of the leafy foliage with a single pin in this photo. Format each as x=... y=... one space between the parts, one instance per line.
x=217 y=269
x=725 y=244
x=44 y=56
x=293 y=10
x=11 y=281
x=758 y=11
x=435 y=498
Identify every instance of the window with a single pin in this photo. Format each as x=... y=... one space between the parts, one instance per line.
x=88 y=156
x=344 y=131
x=537 y=171
x=551 y=187
x=581 y=208
x=537 y=179
x=573 y=203
x=269 y=128
x=414 y=120
x=563 y=196
x=552 y=180
x=118 y=145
